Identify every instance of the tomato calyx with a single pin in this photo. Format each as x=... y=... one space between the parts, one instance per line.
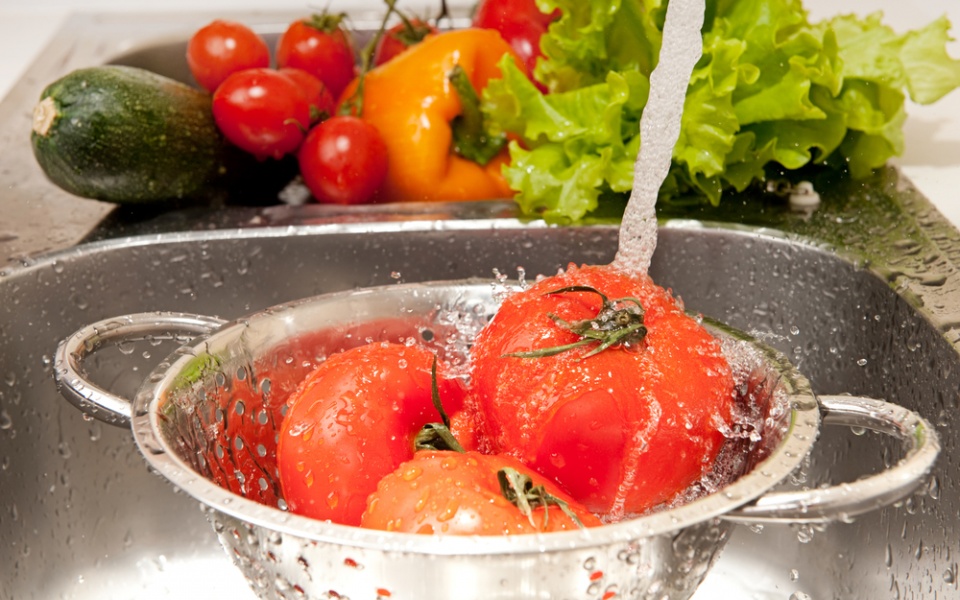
x=471 y=139
x=436 y=436
x=519 y=490
x=618 y=323
x=325 y=22
x=413 y=31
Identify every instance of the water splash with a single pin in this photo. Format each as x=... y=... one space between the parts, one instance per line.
x=659 y=131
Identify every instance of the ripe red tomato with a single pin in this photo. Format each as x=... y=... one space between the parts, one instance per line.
x=460 y=494
x=343 y=161
x=520 y=23
x=224 y=47
x=320 y=46
x=352 y=421
x=493 y=13
x=322 y=102
x=400 y=37
x=622 y=430
x=262 y=111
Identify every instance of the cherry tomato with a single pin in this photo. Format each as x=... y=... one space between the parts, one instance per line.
x=224 y=47
x=343 y=161
x=520 y=23
x=460 y=494
x=493 y=13
x=320 y=46
x=622 y=430
x=352 y=421
x=400 y=37
x=262 y=111
x=322 y=102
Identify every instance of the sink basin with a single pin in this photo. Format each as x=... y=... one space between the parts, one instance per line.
x=862 y=295
x=83 y=518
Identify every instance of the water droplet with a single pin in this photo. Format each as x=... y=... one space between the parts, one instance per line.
x=411 y=473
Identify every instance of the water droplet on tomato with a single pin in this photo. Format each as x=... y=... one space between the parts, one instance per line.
x=449 y=511
x=411 y=473
x=333 y=499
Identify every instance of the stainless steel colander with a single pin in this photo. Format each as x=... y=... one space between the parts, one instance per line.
x=206 y=419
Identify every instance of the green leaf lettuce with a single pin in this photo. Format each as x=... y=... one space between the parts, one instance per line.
x=770 y=89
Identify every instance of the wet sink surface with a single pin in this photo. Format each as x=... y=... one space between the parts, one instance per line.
x=81 y=516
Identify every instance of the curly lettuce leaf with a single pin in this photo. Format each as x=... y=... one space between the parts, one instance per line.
x=772 y=89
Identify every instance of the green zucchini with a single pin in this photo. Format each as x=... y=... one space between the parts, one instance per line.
x=127 y=135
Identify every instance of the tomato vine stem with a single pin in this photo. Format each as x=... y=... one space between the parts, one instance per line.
x=619 y=322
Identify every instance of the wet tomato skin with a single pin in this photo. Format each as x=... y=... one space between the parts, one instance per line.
x=343 y=161
x=352 y=421
x=322 y=102
x=326 y=52
x=262 y=111
x=622 y=431
x=223 y=47
x=448 y=493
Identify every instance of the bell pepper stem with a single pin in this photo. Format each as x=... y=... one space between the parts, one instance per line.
x=471 y=140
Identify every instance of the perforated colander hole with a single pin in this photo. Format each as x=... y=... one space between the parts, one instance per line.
x=263 y=417
x=265 y=387
x=220 y=379
x=238 y=443
x=241 y=373
x=427 y=335
x=261 y=450
x=239 y=408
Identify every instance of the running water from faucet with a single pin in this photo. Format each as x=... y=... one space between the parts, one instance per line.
x=659 y=130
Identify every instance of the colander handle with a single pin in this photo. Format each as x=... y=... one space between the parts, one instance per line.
x=92 y=399
x=843 y=501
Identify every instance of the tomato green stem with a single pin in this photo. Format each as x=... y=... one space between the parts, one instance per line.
x=436 y=436
x=325 y=22
x=354 y=104
x=518 y=489
x=618 y=323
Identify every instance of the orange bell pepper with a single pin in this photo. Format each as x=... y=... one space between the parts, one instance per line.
x=412 y=101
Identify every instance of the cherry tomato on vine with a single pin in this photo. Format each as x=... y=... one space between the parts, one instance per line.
x=343 y=161
x=321 y=101
x=400 y=37
x=451 y=493
x=622 y=429
x=352 y=421
x=224 y=47
x=320 y=46
x=262 y=111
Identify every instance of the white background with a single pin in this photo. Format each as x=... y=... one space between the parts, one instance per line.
x=931 y=160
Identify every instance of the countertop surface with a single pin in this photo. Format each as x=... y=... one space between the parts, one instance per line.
x=931 y=160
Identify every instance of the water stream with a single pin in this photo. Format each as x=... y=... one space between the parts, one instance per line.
x=659 y=131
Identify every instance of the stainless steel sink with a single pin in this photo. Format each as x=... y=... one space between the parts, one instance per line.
x=862 y=295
